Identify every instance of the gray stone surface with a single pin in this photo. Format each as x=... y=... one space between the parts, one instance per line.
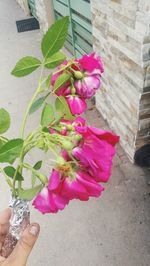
x=110 y=231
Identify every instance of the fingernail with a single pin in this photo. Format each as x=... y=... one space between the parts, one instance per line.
x=34 y=229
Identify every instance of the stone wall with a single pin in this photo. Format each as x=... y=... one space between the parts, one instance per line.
x=24 y=6
x=121 y=35
x=45 y=14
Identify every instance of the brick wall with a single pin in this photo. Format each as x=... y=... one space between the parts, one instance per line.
x=121 y=35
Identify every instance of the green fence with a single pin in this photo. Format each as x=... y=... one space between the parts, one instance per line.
x=79 y=39
x=32 y=7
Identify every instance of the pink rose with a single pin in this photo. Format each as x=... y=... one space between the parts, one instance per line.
x=91 y=62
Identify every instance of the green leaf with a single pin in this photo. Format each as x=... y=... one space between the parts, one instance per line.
x=55 y=37
x=48 y=80
x=55 y=60
x=37 y=166
x=45 y=129
x=25 y=66
x=29 y=194
x=36 y=105
x=10 y=171
x=62 y=108
x=47 y=115
x=4 y=121
x=61 y=80
x=2 y=141
x=11 y=150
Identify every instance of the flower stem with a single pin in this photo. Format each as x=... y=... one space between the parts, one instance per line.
x=66 y=66
x=41 y=177
x=30 y=103
x=21 y=158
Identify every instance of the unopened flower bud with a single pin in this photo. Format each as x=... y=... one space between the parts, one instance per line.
x=78 y=137
x=70 y=127
x=41 y=144
x=73 y=90
x=67 y=145
x=78 y=74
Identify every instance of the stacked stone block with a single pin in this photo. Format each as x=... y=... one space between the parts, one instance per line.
x=45 y=13
x=24 y=6
x=121 y=35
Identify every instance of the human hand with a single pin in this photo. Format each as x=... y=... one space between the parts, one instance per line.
x=24 y=246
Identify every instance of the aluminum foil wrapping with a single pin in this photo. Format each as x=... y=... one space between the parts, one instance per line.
x=19 y=220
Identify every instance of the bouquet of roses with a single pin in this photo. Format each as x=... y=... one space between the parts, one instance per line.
x=82 y=154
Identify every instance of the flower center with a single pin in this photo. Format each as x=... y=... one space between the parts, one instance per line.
x=65 y=169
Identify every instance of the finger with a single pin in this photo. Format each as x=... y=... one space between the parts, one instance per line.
x=24 y=246
x=2 y=259
x=4 y=225
x=3 y=232
x=5 y=216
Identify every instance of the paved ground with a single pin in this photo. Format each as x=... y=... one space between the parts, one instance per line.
x=111 y=231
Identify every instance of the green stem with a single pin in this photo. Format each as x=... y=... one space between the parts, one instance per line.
x=52 y=150
x=47 y=94
x=30 y=103
x=3 y=138
x=27 y=112
x=21 y=158
x=65 y=67
x=41 y=177
x=14 y=177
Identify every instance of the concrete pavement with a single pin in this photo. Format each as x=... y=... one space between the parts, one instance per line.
x=110 y=231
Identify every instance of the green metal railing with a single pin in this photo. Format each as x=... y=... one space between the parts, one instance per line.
x=79 y=40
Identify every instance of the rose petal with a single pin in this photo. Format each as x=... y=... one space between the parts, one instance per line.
x=54 y=180
x=109 y=136
x=74 y=190
x=94 y=189
x=95 y=156
x=86 y=88
x=91 y=62
x=76 y=104
x=60 y=202
x=42 y=201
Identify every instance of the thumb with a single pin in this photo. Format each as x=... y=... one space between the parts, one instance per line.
x=24 y=246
